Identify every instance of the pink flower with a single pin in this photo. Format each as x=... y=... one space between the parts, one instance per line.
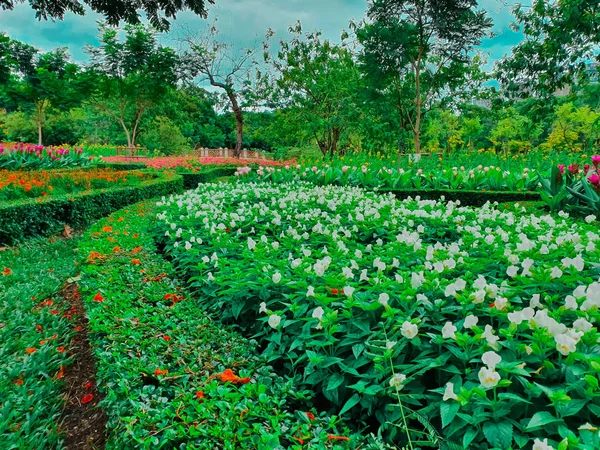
x=596 y=160
x=561 y=167
x=594 y=179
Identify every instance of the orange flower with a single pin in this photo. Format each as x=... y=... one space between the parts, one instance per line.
x=60 y=374
x=136 y=262
x=116 y=249
x=60 y=349
x=54 y=312
x=39 y=328
x=43 y=341
x=161 y=372
x=137 y=249
x=333 y=437
x=18 y=382
x=166 y=338
x=310 y=416
x=7 y=271
x=30 y=350
x=229 y=376
x=98 y=297
x=200 y=394
x=47 y=302
x=107 y=229
x=136 y=235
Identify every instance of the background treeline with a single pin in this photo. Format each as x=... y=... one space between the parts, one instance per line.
x=405 y=79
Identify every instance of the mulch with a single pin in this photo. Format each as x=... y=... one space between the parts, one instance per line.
x=83 y=422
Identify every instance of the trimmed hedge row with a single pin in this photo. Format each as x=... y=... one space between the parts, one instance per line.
x=467 y=198
x=191 y=180
x=173 y=377
x=120 y=166
x=43 y=217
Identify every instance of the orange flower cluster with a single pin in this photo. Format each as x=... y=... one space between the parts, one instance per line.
x=229 y=376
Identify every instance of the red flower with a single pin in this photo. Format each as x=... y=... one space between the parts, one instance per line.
x=77 y=328
x=200 y=394
x=136 y=262
x=137 y=249
x=43 y=192
x=30 y=350
x=158 y=372
x=39 y=328
x=54 y=312
x=87 y=398
x=7 y=271
x=166 y=338
x=310 y=416
x=333 y=437
x=18 y=382
x=98 y=297
x=60 y=349
x=229 y=376
x=136 y=235
x=88 y=385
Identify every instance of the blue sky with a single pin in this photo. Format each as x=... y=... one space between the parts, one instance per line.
x=242 y=22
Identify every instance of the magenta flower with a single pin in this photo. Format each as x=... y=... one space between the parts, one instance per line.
x=561 y=167
x=594 y=179
x=596 y=160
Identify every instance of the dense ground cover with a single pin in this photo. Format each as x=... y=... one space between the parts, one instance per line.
x=17 y=185
x=27 y=156
x=35 y=334
x=461 y=327
x=171 y=376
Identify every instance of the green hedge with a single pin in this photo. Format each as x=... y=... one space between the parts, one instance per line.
x=192 y=179
x=43 y=217
x=466 y=198
x=120 y=166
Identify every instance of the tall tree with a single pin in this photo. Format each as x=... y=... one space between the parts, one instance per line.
x=115 y=11
x=40 y=81
x=316 y=81
x=424 y=46
x=560 y=41
x=207 y=58
x=130 y=76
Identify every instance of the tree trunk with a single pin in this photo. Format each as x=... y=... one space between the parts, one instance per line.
x=39 y=111
x=418 y=106
x=239 y=123
x=126 y=132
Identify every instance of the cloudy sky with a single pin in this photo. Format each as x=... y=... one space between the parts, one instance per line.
x=242 y=22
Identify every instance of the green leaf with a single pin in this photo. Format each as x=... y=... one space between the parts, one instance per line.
x=335 y=381
x=540 y=419
x=469 y=436
x=499 y=435
x=352 y=401
x=448 y=411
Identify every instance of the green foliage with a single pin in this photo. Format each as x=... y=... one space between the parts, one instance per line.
x=43 y=217
x=145 y=320
x=166 y=137
x=34 y=317
x=573 y=127
x=191 y=180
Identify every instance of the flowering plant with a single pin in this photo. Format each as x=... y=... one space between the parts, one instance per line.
x=24 y=156
x=468 y=327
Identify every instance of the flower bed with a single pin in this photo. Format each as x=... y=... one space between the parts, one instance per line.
x=18 y=185
x=468 y=327
x=27 y=157
x=20 y=219
x=35 y=335
x=172 y=376
x=191 y=163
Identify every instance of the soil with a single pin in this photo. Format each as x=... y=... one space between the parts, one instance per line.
x=83 y=424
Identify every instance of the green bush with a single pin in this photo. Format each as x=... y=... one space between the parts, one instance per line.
x=192 y=179
x=29 y=218
x=466 y=198
x=166 y=137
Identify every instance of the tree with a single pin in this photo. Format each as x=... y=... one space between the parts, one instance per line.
x=40 y=81
x=572 y=126
x=514 y=131
x=316 y=81
x=471 y=129
x=208 y=59
x=115 y=11
x=130 y=76
x=425 y=44
x=560 y=40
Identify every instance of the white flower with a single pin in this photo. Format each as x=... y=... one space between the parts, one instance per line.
x=588 y=427
x=274 y=320
x=188 y=245
x=310 y=292
x=348 y=273
x=390 y=344
x=409 y=330
x=488 y=378
x=492 y=340
x=541 y=445
x=471 y=321
x=275 y=245
x=515 y=317
x=449 y=392
x=251 y=243
x=210 y=276
x=349 y=290
x=582 y=325
x=565 y=344
x=500 y=303
x=528 y=350
x=263 y=308
x=491 y=359
x=276 y=277
x=556 y=273
x=448 y=331
x=318 y=313
x=570 y=303
x=535 y=301
x=512 y=271
x=383 y=299
x=397 y=380
x=590 y=219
